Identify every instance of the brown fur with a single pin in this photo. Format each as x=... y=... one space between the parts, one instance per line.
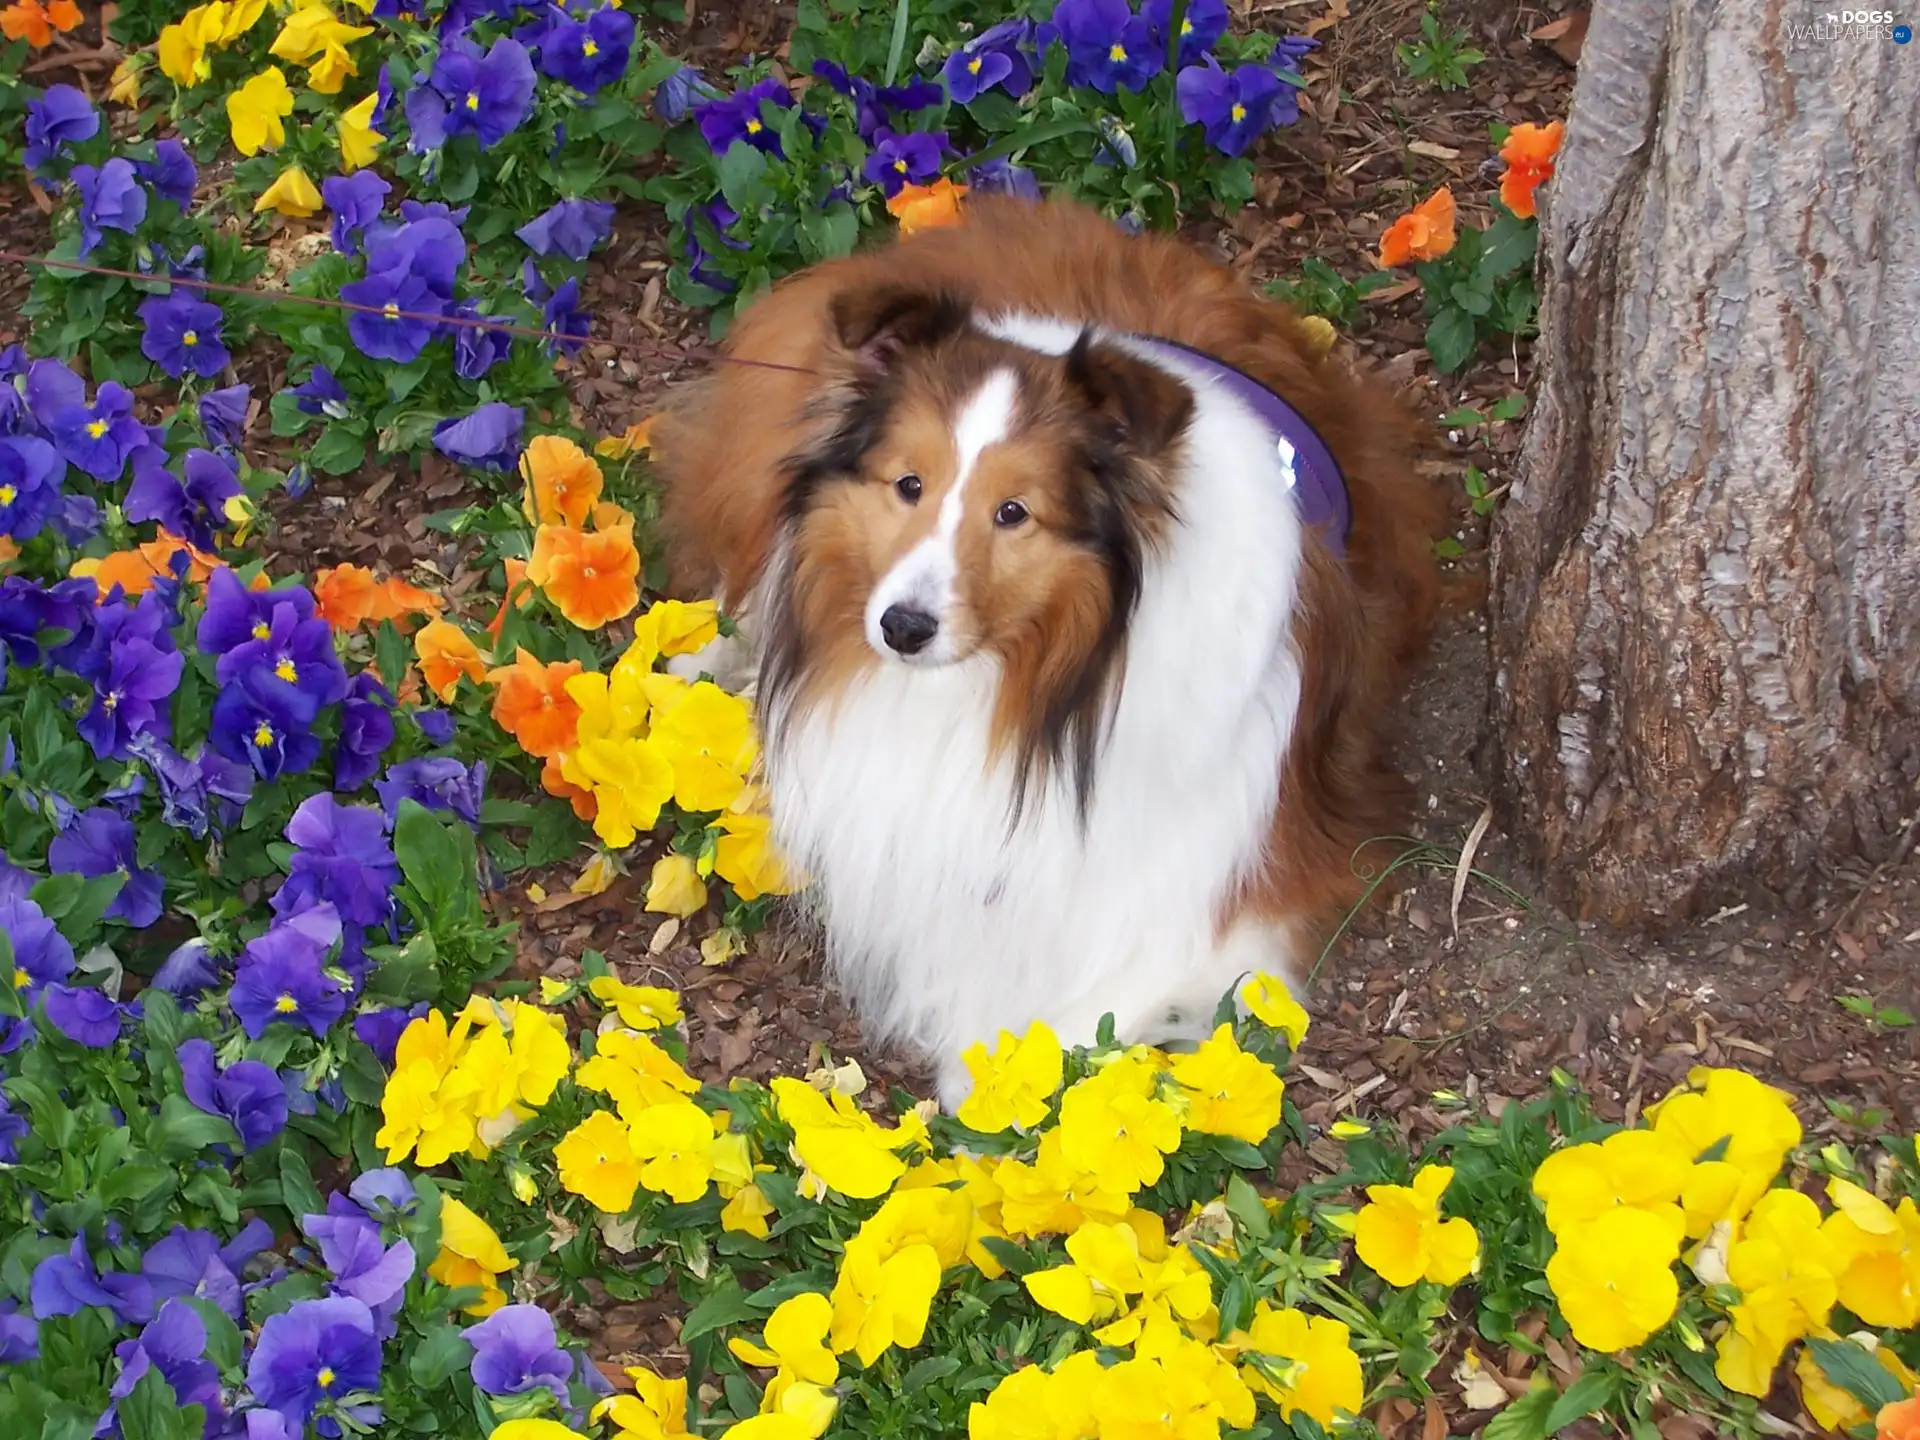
x=724 y=451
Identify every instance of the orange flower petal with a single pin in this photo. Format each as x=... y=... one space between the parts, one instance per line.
x=563 y=482
x=1425 y=232
x=532 y=704
x=591 y=576
x=927 y=207
x=446 y=653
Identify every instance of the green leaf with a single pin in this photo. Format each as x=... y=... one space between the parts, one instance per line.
x=1508 y=245
x=1017 y=1261
x=1525 y=1418
x=743 y=178
x=430 y=857
x=1509 y=407
x=183 y=1130
x=297 y=1190
x=1594 y=1390
x=444 y=1352
x=925 y=1372
x=1239 y=1153
x=897 y=47
x=133 y=1180
x=1474 y=302
x=1244 y=1204
x=288 y=417
x=1451 y=339
x=84 y=915
x=1857 y=1373
x=153 y=1412
x=338 y=451
x=727 y=1306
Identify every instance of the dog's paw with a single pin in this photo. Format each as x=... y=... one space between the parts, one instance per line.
x=725 y=658
x=952 y=1087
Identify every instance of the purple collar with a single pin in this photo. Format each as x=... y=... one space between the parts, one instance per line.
x=1318 y=487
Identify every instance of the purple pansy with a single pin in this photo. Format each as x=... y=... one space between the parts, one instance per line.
x=366 y=730
x=111 y=198
x=467 y=93
x=30 y=474
x=84 y=1015
x=171 y=173
x=223 y=414
x=282 y=975
x=61 y=117
x=246 y=1093
x=901 y=160
x=193 y=508
x=174 y=1343
x=65 y=1283
x=1235 y=108
x=99 y=438
x=322 y=394
x=487 y=439
x=562 y=316
x=342 y=858
x=438 y=783
x=1200 y=29
x=101 y=842
x=997 y=56
x=380 y=1030
x=188 y=970
x=725 y=121
x=515 y=1350
x=194 y=1264
x=476 y=348
x=313 y=1354
x=356 y=201
x=1109 y=48
x=41 y=954
x=19 y=1333
x=572 y=227
x=674 y=96
x=588 y=54
x=1001 y=176
x=364 y=1266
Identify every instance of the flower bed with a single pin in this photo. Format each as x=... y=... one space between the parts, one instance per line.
x=282 y=1153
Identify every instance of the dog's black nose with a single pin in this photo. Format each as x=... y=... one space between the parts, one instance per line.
x=907 y=630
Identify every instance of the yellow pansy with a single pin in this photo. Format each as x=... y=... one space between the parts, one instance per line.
x=640 y=1007
x=612 y=706
x=1750 y=1124
x=891 y=1268
x=429 y=1109
x=674 y=1143
x=975 y=1176
x=796 y=1347
x=1186 y=1391
x=1111 y=1125
x=1637 y=1168
x=1269 y=1001
x=237 y=17
x=1049 y=1196
x=747 y=859
x=331 y=70
x=841 y=1143
x=291 y=193
x=1783 y=1266
x=630 y=781
x=1229 y=1091
x=359 y=142
x=1031 y=1404
x=183 y=47
x=256 y=109
x=1014 y=1085
x=534 y=1429
x=1876 y=1255
x=124 y=83
x=1400 y=1235
x=1315 y=1356
x=470 y=1254
x=707 y=735
x=747 y=1212
x=1614 y=1278
x=657 y=1410
x=634 y=1072
x=675 y=887
x=309 y=30
x=685 y=627
x=1108 y=1271
x=597 y=1162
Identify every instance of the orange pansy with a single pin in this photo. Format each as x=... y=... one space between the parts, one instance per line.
x=1898 y=1421
x=348 y=596
x=134 y=571
x=1529 y=153
x=636 y=439
x=35 y=21
x=927 y=207
x=563 y=481
x=591 y=576
x=516 y=573
x=557 y=785
x=1424 y=233
x=532 y=703
x=446 y=653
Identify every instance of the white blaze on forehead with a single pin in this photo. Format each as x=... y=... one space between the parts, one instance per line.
x=924 y=577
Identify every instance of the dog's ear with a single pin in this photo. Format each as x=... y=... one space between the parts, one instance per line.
x=874 y=326
x=1148 y=407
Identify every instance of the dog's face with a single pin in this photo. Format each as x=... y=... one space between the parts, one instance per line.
x=968 y=494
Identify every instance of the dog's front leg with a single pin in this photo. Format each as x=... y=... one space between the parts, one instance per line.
x=732 y=660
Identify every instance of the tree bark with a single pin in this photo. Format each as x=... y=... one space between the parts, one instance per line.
x=1706 y=582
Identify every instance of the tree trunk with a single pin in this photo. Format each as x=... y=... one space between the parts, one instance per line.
x=1706 y=582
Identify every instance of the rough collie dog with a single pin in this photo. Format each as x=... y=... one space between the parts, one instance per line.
x=1076 y=588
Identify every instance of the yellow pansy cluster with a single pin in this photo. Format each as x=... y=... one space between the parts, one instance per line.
x=462 y=1089
x=471 y=1255
x=1700 y=1179
x=317 y=38
x=186 y=47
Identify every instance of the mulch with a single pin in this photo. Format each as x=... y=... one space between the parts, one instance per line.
x=1484 y=998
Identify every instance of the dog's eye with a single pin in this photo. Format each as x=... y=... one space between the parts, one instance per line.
x=1010 y=514
x=908 y=488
